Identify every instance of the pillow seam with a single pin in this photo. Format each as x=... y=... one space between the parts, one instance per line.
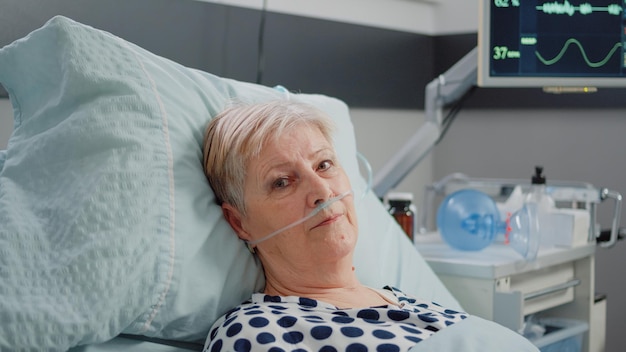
x=170 y=170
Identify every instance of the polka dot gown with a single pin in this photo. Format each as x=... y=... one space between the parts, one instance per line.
x=276 y=323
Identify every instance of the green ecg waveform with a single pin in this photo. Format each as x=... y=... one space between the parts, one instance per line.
x=566 y=8
x=582 y=51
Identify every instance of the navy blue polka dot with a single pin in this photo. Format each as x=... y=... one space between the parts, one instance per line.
x=264 y=338
x=277 y=312
x=383 y=334
x=308 y=302
x=387 y=347
x=413 y=338
x=428 y=317
x=273 y=306
x=230 y=312
x=287 y=321
x=242 y=345
x=321 y=332
x=314 y=317
x=432 y=328
x=398 y=315
x=217 y=346
x=254 y=312
x=259 y=322
x=368 y=314
x=343 y=320
x=356 y=347
x=233 y=330
x=293 y=337
x=341 y=313
x=269 y=298
x=213 y=333
x=299 y=350
x=228 y=321
x=351 y=331
x=370 y=321
x=276 y=349
x=410 y=329
x=328 y=349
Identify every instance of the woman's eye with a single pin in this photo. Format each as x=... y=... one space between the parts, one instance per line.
x=325 y=165
x=280 y=183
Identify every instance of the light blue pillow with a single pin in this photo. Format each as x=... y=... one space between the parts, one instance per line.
x=108 y=224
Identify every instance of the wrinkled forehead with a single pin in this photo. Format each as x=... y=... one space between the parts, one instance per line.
x=282 y=136
x=299 y=143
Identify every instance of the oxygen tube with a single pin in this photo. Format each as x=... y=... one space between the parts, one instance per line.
x=319 y=207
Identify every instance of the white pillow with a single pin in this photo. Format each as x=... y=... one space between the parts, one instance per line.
x=109 y=225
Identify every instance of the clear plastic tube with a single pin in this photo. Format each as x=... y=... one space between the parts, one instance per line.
x=298 y=222
x=368 y=170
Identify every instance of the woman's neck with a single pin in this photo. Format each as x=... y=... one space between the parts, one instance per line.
x=342 y=291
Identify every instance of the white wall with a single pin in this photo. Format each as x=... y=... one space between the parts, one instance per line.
x=415 y=16
x=381 y=132
x=455 y=16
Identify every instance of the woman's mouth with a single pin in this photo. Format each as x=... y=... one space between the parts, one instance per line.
x=329 y=220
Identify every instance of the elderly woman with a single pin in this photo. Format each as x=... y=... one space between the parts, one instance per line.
x=273 y=169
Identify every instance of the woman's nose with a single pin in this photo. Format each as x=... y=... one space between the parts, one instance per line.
x=319 y=191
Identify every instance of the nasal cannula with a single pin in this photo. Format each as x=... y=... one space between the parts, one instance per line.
x=307 y=217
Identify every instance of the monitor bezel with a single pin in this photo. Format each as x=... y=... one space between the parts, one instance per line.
x=485 y=79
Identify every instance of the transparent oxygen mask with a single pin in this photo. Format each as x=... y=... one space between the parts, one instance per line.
x=361 y=192
x=470 y=220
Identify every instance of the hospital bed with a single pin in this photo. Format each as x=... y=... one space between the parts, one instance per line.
x=110 y=237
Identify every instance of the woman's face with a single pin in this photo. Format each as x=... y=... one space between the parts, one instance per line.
x=291 y=176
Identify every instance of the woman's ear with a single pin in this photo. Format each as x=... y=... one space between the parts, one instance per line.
x=234 y=219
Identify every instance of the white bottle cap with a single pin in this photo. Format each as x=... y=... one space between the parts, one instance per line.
x=400 y=196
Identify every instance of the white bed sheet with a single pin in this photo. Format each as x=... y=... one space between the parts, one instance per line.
x=137 y=345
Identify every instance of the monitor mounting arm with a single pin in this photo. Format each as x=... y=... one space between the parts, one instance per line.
x=445 y=89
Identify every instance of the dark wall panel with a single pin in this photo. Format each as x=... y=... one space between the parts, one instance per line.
x=448 y=49
x=196 y=34
x=211 y=37
x=365 y=66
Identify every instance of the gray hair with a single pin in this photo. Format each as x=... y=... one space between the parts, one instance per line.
x=240 y=132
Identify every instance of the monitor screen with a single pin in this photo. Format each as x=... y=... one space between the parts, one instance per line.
x=562 y=43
